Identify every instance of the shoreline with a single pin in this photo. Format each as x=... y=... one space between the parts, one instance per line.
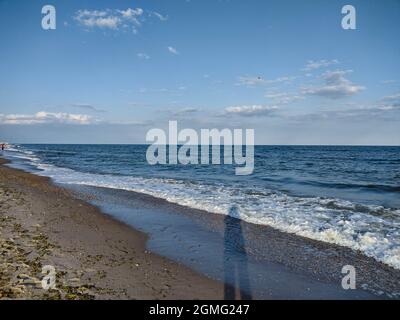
x=309 y=265
x=117 y=253
x=95 y=256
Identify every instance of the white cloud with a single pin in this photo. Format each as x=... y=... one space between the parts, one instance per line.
x=159 y=16
x=336 y=86
x=390 y=102
x=252 y=81
x=251 y=110
x=131 y=13
x=354 y=114
x=183 y=112
x=395 y=97
x=142 y=55
x=388 y=81
x=101 y=19
x=176 y=91
x=141 y=123
x=188 y=110
x=284 y=98
x=87 y=107
x=43 y=117
x=113 y=19
x=313 y=65
x=172 y=50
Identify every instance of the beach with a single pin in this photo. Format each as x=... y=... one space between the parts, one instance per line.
x=99 y=257
x=95 y=256
x=201 y=151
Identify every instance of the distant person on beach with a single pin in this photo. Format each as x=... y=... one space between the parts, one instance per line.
x=3 y=145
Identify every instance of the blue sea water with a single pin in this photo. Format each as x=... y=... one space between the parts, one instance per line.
x=347 y=195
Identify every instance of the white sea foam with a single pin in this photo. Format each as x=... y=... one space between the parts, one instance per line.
x=16 y=152
x=373 y=230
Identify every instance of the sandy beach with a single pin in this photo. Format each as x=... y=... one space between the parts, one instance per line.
x=95 y=256
x=99 y=257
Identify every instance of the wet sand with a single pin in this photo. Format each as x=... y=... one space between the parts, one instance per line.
x=99 y=257
x=264 y=262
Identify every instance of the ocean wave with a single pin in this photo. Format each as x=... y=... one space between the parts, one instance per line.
x=373 y=230
x=336 y=185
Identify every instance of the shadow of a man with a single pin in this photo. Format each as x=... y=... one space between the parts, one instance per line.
x=235 y=258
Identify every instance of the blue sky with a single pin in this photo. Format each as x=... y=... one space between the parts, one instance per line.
x=112 y=70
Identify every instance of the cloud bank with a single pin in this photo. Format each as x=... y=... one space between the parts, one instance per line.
x=336 y=86
x=251 y=110
x=43 y=117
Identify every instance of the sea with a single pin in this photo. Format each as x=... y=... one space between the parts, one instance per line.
x=345 y=195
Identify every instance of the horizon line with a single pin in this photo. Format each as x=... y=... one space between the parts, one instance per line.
x=256 y=145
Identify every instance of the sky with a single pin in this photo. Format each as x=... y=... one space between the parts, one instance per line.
x=112 y=70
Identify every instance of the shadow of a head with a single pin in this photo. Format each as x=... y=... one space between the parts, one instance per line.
x=234 y=212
